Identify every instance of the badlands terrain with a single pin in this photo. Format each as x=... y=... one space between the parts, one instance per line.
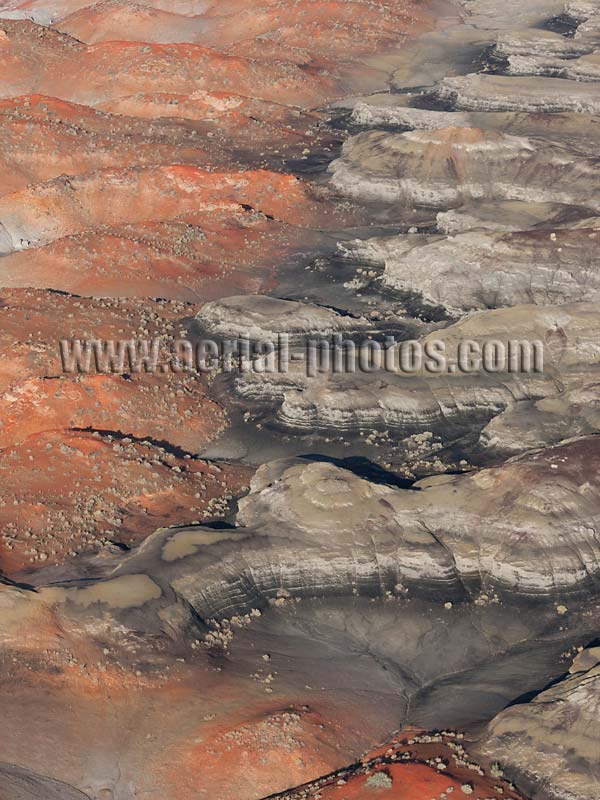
x=252 y=584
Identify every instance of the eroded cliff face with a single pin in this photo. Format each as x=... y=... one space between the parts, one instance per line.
x=299 y=582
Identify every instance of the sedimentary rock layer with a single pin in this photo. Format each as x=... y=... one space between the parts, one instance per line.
x=549 y=744
x=409 y=399
x=316 y=530
x=451 y=166
x=425 y=553
x=265 y=318
x=478 y=270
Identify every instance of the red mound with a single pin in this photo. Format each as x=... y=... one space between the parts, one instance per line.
x=41 y=138
x=37 y=396
x=205 y=255
x=141 y=407
x=66 y=206
x=262 y=754
x=37 y=59
x=105 y=22
x=262 y=133
x=47 y=11
x=327 y=29
x=32 y=323
x=324 y=29
x=417 y=768
x=66 y=492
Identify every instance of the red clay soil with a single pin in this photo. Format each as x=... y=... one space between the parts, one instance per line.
x=309 y=32
x=144 y=406
x=38 y=59
x=212 y=253
x=66 y=493
x=306 y=45
x=68 y=205
x=42 y=138
x=414 y=766
x=33 y=322
x=37 y=394
x=259 y=755
x=257 y=131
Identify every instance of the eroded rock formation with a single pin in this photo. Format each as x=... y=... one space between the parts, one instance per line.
x=224 y=584
x=550 y=742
